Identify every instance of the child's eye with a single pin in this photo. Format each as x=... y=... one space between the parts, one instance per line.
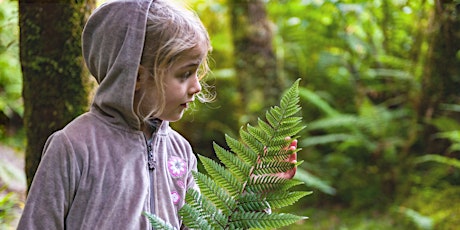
x=186 y=75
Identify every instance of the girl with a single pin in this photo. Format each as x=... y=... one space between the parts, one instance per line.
x=120 y=159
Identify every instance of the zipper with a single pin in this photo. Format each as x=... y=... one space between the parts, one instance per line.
x=151 y=165
x=151 y=162
x=151 y=158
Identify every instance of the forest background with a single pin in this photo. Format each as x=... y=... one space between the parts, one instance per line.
x=380 y=93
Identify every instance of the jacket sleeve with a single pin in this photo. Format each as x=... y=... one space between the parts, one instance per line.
x=53 y=186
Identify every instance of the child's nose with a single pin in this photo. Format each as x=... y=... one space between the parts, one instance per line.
x=195 y=86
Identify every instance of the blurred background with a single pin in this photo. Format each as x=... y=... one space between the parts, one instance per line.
x=380 y=96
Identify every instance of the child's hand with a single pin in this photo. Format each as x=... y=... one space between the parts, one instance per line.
x=292 y=159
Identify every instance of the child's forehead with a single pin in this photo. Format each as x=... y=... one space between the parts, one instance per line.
x=197 y=53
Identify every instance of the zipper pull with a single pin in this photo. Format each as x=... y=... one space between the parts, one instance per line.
x=151 y=161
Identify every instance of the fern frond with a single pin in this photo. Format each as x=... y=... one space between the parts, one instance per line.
x=273 y=117
x=221 y=176
x=265 y=126
x=199 y=207
x=288 y=130
x=193 y=218
x=291 y=120
x=290 y=97
x=290 y=111
x=281 y=156
x=262 y=220
x=252 y=202
x=267 y=183
x=259 y=134
x=214 y=193
x=272 y=167
x=274 y=151
x=158 y=223
x=251 y=141
x=284 y=199
x=245 y=153
x=241 y=192
x=235 y=165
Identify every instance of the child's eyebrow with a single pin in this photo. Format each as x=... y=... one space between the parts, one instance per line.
x=192 y=64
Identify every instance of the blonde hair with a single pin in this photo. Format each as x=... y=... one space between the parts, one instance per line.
x=171 y=31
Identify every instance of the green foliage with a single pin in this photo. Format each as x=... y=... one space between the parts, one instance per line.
x=11 y=105
x=432 y=208
x=435 y=185
x=366 y=143
x=421 y=221
x=314 y=181
x=440 y=159
x=10 y=71
x=9 y=202
x=242 y=192
x=362 y=65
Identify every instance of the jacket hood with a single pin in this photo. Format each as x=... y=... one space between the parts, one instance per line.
x=112 y=44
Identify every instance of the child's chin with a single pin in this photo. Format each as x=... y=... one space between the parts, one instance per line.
x=174 y=118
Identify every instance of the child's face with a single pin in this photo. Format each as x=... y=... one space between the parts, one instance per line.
x=181 y=84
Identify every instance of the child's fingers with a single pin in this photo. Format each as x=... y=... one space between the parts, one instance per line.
x=293 y=145
x=292 y=158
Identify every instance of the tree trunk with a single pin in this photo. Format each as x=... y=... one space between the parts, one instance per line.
x=255 y=62
x=55 y=84
x=441 y=80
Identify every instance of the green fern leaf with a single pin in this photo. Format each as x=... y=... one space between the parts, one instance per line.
x=273 y=119
x=241 y=192
x=290 y=97
x=290 y=111
x=193 y=218
x=277 y=150
x=246 y=154
x=267 y=183
x=289 y=128
x=214 y=193
x=235 y=165
x=284 y=199
x=158 y=223
x=262 y=220
x=281 y=156
x=252 y=203
x=251 y=141
x=221 y=176
x=294 y=120
x=198 y=207
x=272 y=167
x=259 y=134
x=265 y=127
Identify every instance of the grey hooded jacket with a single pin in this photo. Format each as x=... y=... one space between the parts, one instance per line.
x=94 y=172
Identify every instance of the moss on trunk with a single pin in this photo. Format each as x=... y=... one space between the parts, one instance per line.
x=441 y=79
x=55 y=84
